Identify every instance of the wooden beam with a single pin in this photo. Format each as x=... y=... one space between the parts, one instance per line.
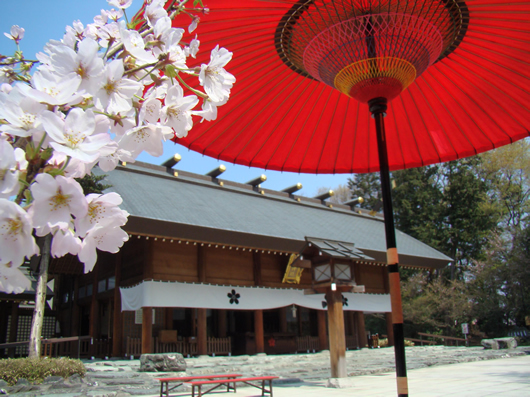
x=94 y=305
x=258 y=331
x=201 y=264
x=322 y=330
x=13 y=328
x=221 y=323
x=388 y=316
x=337 y=337
x=75 y=308
x=202 y=334
x=147 y=330
x=361 y=330
x=256 y=260
x=117 y=320
x=282 y=313
x=302 y=263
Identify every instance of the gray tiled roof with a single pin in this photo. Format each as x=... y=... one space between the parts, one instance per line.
x=196 y=207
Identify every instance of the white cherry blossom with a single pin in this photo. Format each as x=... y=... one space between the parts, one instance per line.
x=16 y=33
x=12 y=280
x=103 y=209
x=74 y=135
x=122 y=4
x=109 y=238
x=177 y=111
x=85 y=62
x=148 y=138
x=22 y=116
x=8 y=169
x=16 y=239
x=217 y=82
x=116 y=91
x=53 y=89
x=56 y=200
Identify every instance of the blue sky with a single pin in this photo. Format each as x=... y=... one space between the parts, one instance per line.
x=46 y=19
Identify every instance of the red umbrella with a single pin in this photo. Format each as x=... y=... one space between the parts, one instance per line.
x=452 y=78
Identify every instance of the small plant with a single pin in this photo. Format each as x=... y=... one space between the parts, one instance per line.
x=35 y=370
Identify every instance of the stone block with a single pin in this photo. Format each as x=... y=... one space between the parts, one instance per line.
x=490 y=344
x=507 y=343
x=162 y=362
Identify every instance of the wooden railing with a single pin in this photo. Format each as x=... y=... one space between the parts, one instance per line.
x=73 y=346
x=446 y=340
x=351 y=342
x=217 y=346
x=307 y=343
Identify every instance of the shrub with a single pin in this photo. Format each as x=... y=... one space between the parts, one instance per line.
x=35 y=370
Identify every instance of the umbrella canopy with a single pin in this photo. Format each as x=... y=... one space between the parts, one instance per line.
x=283 y=115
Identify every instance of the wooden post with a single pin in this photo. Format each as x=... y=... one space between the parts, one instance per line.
x=283 y=319
x=168 y=318
x=389 y=329
x=117 y=320
x=202 y=334
x=147 y=330
x=351 y=323
x=361 y=330
x=322 y=331
x=75 y=308
x=221 y=323
x=3 y=322
x=337 y=339
x=13 y=328
x=388 y=316
x=258 y=331
x=94 y=308
x=256 y=261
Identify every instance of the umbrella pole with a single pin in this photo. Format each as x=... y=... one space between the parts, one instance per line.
x=378 y=107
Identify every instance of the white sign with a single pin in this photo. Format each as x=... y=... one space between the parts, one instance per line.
x=465 y=328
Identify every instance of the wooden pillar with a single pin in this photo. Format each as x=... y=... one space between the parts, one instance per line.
x=322 y=330
x=337 y=339
x=388 y=316
x=351 y=326
x=3 y=322
x=13 y=328
x=361 y=330
x=117 y=320
x=147 y=330
x=258 y=331
x=389 y=329
x=283 y=319
x=94 y=307
x=168 y=318
x=202 y=334
x=221 y=323
x=75 y=308
x=256 y=261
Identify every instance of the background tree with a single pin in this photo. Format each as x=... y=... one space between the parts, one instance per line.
x=368 y=187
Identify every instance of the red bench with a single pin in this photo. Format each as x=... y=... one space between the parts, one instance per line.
x=166 y=381
x=227 y=382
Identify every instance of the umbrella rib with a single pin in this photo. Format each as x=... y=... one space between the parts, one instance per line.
x=403 y=163
x=410 y=128
x=354 y=132
x=302 y=108
x=257 y=114
x=303 y=127
x=272 y=130
x=436 y=115
x=493 y=86
x=472 y=119
x=315 y=127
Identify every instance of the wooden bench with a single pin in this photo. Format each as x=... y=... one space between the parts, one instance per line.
x=166 y=381
x=227 y=382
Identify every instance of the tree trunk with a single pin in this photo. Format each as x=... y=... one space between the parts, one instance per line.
x=40 y=300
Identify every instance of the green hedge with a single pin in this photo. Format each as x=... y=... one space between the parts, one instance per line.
x=36 y=370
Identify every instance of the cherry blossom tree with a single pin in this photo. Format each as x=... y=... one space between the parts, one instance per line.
x=102 y=94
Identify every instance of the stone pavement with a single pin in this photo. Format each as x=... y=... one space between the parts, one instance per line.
x=370 y=371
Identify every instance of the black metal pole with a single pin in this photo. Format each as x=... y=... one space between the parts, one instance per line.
x=378 y=107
